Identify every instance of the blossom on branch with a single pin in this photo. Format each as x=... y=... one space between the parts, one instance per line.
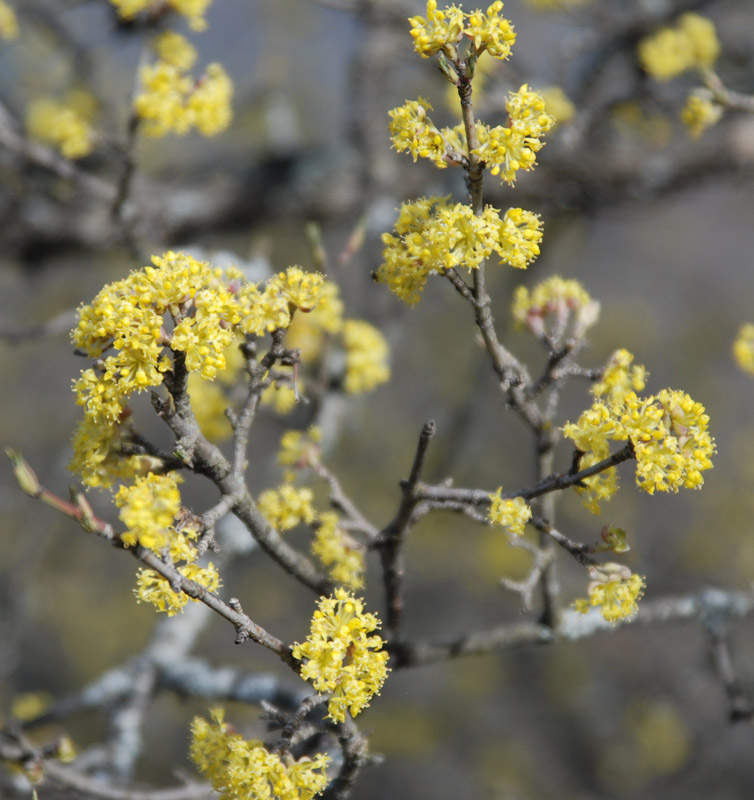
x=238 y=768
x=341 y=657
x=614 y=589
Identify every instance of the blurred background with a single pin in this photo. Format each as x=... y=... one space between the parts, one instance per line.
x=656 y=225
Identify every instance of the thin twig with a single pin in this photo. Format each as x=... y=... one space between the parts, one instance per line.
x=392 y=536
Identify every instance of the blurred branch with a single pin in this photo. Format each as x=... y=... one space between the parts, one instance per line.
x=573 y=626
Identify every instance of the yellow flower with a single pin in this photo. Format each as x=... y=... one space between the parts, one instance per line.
x=556 y=298
x=238 y=768
x=341 y=656
x=434 y=236
x=299 y=449
x=511 y=514
x=700 y=112
x=411 y=130
x=64 y=125
x=668 y=433
x=619 y=378
x=8 y=22
x=693 y=44
x=366 y=357
x=172 y=102
x=440 y=30
x=148 y=509
x=490 y=33
x=743 y=348
x=338 y=551
x=614 y=589
x=287 y=506
x=172 y=48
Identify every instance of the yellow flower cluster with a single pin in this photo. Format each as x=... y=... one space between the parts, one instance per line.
x=287 y=506
x=64 y=125
x=8 y=22
x=559 y=299
x=209 y=397
x=338 y=551
x=505 y=149
x=175 y=49
x=172 y=102
x=366 y=351
x=668 y=432
x=433 y=236
x=743 y=348
x=237 y=768
x=443 y=30
x=693 y=44
x=614 y=589
x=194 y=10
x=366 y=357
x=619 y=378
x=700 y=112
x=299 y=449
x=149 y=509
x=511 y=514
x=127 y=321
x=341 y=655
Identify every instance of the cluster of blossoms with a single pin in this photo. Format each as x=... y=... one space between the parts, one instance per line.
x=239 y=768
x=511 y=514
x=339 y=551
x=441 y=31
x=692 y=44
x=743 y=348
x=151 y=511
x=615 y=589
x=8 y=22
x=135 y=327
x=289 y=506
x=341 y=657
x=365 y=349
x=172 y=101
x=433 y=235
x=193 y=10
x=701 y=111
x=505 y=149
x=667 y=431
x=559 y=301
x=65 y=125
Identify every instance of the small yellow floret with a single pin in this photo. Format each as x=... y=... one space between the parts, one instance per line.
x=148 y=509
x=700 y=112
x=511 y=514
x=194 y=10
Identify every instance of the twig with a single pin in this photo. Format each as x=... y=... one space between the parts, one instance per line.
x=392 y=536
x=572 y=626
x=340 y=501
